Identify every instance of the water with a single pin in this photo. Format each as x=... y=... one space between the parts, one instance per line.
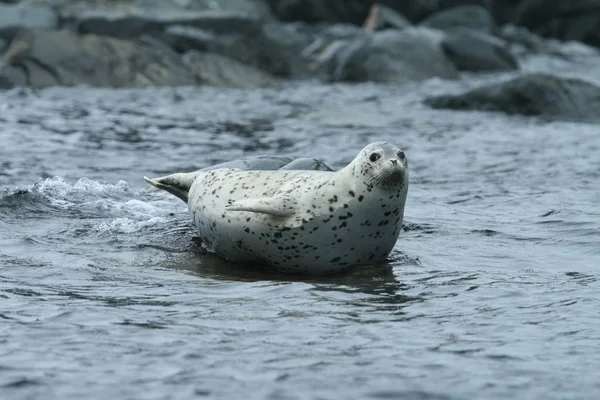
x=491 y=292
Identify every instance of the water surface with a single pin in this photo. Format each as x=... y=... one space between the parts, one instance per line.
x=491 y=291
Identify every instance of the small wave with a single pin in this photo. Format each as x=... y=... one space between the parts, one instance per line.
x=127 y=225
x=87 y=198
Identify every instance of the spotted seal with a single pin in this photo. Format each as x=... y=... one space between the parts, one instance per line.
x=300 y=221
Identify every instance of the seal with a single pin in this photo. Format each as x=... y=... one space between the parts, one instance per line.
x=300 y=221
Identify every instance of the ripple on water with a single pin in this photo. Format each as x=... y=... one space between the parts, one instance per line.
x=491 y=291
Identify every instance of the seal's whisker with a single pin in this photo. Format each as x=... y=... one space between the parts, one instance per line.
x=412 y=178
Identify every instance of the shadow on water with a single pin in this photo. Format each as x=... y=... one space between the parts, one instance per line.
x=377 y=282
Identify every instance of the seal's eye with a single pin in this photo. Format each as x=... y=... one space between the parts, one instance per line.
x=374 y=157
x=401 y=155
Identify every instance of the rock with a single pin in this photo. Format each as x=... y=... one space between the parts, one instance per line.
x=252 y=47
x=2 y=45
x=64 y=58
x=567 y=20
x=351 y=11
x=412 y=54
x=533 y=94
x=418 y=10
x=11 y=77
x=469 y=16
x=126 y=25
x=216 y=70
x=14 y=17
x=471 y=50
x=257 y=9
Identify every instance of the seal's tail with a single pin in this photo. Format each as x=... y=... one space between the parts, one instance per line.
x=176 y=184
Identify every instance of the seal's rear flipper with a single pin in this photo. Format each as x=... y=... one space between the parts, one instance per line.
x=176 y=184
x=279 y=206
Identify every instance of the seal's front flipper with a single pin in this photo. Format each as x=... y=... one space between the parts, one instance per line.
x=176 y=184
x=279 y=206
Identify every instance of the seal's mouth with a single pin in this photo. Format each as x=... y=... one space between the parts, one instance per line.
x=390 y=177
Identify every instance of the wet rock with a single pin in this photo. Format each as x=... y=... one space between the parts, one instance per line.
x=128 y=25
x=352 y=11
x=567 y=20
x=64 y=58
x=251 y=8
x=418 y=10
x=213 y=69
x=252 y=46
x=469 y=16
x=471 y=50
x=412 y=54
x=534 y=95
x=11 y=77
x=14 y=17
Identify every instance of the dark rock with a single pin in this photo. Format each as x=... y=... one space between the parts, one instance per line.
x=522 y=41
x=2 y=45
x=352 y=11
x=14 y=17
x=11 y=77
x=124 y=25
x=504 y=11
x=534 y=95
x=252 y=47
x=418 y=10
x=64 y=58
x=469 y=16
x=412 y=54
x=567 y=20
x=471 y=50
x=216 y=70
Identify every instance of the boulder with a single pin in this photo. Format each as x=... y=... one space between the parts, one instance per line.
x=469 y=16
x=351 y=11
x=213 y=69
x=418 y=10
x=11 y=77
x=471 y=50
x=412 y=54
x=567 y=20
x=532 y=94
x=252 y=47
x=15 y=17
x=130 y=25
x=64 y=58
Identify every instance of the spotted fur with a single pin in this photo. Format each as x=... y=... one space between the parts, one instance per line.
x=301 y=221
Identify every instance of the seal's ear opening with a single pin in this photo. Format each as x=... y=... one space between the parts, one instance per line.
x=176 y=184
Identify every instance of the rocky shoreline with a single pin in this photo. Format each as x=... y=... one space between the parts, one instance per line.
x=259 y=43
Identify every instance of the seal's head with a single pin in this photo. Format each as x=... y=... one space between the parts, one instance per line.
x=382 y=165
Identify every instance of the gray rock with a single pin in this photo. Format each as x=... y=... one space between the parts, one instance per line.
x=213 y=69
x=11 y=77
x=64 y=58
x=469 y=16
x=128 y=25
x=412 y=54
x=534 y=95
x=567 y=20
x=352 y=11
x=471 y=50
x=14 y=17
x=252 y=47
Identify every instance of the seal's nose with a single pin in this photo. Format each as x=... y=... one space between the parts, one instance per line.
x=394 y=162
